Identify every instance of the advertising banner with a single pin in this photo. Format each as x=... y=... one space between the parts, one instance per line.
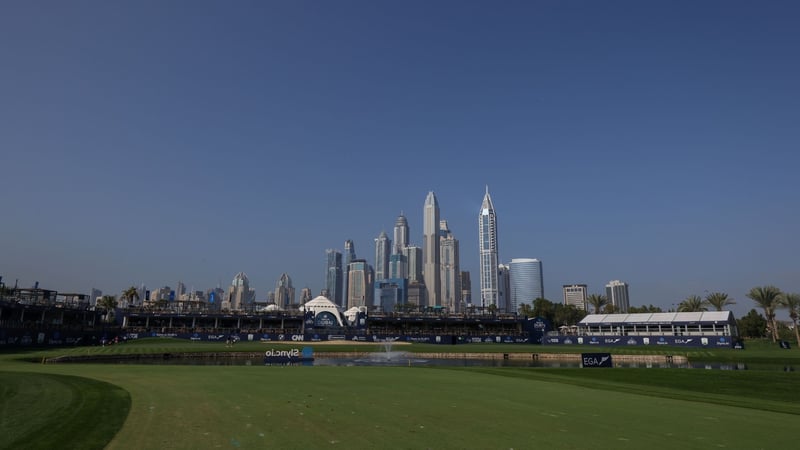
x=613 y=341
x=596 y=360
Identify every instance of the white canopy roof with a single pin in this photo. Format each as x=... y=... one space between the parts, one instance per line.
x=656 y=318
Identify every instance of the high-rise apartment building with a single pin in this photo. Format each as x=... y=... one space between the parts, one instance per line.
x=390 y=293
x=487 y=237
x=416 y=293
x=466 y=291
x=617 y=295
x=414 y=260
x=527 y=282
x=238 y=293
x=400 y=234
x=431 y=250
x=359 y=285
x=180 y=291
x=575 y=295
x=348 y=257
x=450 y=269
x=503 y=287
x=284 y=292
x=383 y=248
x=334 y=276
x=398 y=265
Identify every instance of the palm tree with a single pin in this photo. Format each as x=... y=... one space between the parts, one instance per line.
x=130 y=294
x=719 y=300
x=597 y=301
x=693 y=303
x=792 y=303
x=108 y=302
x=768 y=298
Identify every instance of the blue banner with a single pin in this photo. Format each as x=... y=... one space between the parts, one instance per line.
x=613 y=341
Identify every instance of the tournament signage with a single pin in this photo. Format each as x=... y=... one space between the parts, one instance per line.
x=596 y=360
x=293 y=355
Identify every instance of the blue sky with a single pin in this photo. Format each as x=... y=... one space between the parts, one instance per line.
x=151 y=142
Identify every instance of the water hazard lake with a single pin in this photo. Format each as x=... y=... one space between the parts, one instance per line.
x=398 y=359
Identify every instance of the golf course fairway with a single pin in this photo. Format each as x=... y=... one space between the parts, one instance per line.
x=191 y=407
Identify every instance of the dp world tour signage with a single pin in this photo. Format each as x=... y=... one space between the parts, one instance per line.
x=596 y=360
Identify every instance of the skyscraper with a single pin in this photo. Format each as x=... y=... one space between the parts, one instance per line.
x=617 y=295
x=430 y=249
x=527 y=282
x=450 y=268
x=398 y=265
x=383 y=247
x=575 y=295
x=348 y=256
x=466 y=291
x=238 y=293
x=487 y=236
x=284 y=291
x=414 y=260
x=503 y=287
x=400 y=234
x=334 y=276
x=305 y=295
x=359 y=284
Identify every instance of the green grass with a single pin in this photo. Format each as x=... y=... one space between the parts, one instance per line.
x=44 y=411
x=175 y=406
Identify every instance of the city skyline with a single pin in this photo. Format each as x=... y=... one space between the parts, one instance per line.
x=653 y=143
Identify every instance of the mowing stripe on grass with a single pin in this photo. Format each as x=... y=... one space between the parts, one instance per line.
x=46 y=411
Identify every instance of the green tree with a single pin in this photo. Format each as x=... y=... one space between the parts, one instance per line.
x=693 y=303
x=752 y=325
x=526 y=310
x=567 y=314
x=767 y=298
x=544 y=308
x=130 y=295
x=610 y=309
x=644 y=309
x=108 y=303
x=719 y=300
x=791 y=301
x=597 y=301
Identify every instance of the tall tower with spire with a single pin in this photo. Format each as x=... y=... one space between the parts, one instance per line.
x=487 y=237
x=430 y=250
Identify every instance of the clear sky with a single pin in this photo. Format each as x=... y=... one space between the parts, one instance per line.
x=154 y=141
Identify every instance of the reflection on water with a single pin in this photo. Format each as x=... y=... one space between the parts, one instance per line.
x=410 y=360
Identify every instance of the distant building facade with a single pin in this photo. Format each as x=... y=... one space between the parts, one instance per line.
x=284 y=292
x=383 y=248
x=503 y=288
x=576 y=295
x=527 y=281
x=466 y=290
x=430 y=250
x=617 y=295
x=450 y=268
x=487 y=240
x=238 y=293
x=334 y=277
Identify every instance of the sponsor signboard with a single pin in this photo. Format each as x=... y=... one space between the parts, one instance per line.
x=596 y=360
x=294 y=355
x=613 y=341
